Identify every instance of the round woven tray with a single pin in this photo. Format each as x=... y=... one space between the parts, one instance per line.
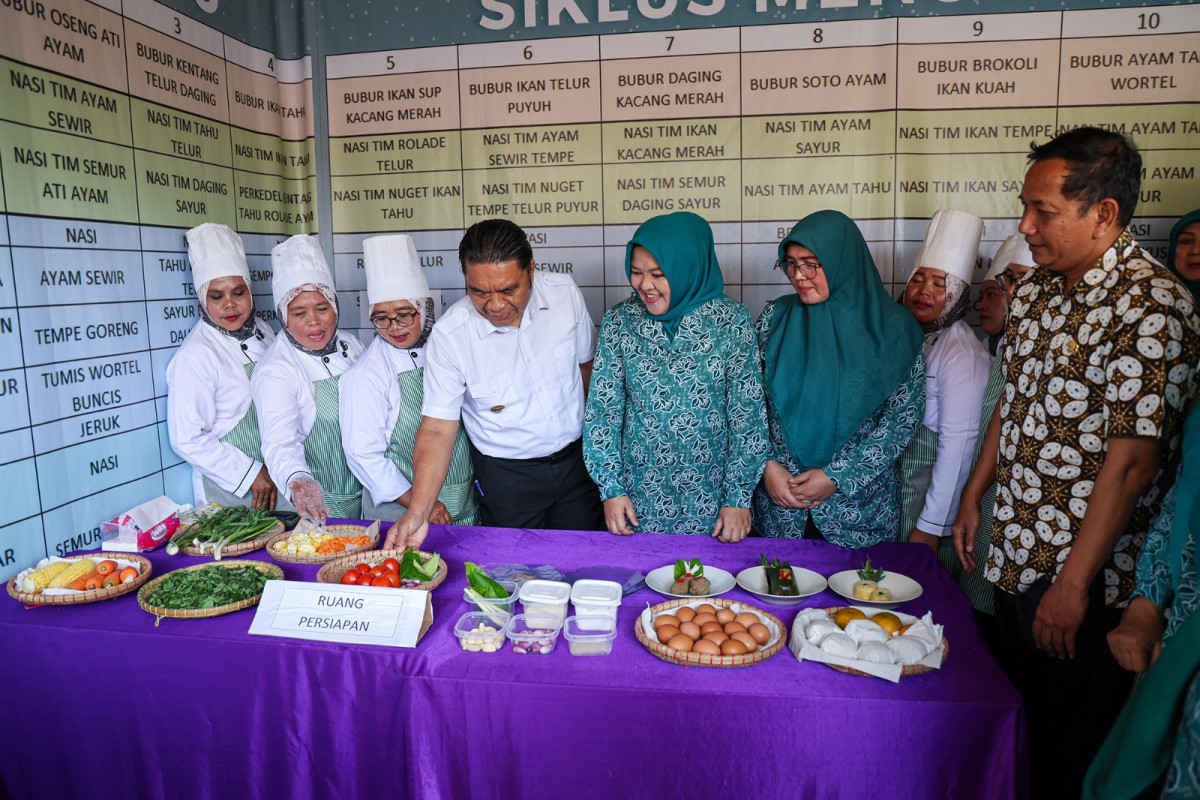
x=345 y=529
x=256 y=543
x=689 y=659
x=334 y=570
x=200 y=613
x=907 y=669
x=91 y=595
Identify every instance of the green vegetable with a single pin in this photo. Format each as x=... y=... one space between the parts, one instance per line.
x=780 y=579
x=229 y=525
x=688 y=569
x=413 y=569
x=208 y=588
x=869 y=573
x=482 y=583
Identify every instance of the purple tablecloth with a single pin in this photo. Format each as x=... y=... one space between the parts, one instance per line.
x=101 y=703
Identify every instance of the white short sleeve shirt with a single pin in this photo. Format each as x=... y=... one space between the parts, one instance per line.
x=518 y=388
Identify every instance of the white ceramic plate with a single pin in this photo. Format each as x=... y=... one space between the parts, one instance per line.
x=754 y=581
x=719 y=580
x=902 y=587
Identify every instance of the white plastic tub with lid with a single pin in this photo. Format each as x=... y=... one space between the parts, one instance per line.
x=593 y=598
x=548 y=598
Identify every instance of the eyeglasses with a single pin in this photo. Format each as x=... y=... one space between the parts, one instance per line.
x=404 y=319
x=808 y=269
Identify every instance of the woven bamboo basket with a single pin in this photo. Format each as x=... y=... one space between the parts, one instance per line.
x=906 y=670
x=91 y=595
x=271 y=570
x=689 y=659
x=334 y=570
x=344 y=529
x=256 y=543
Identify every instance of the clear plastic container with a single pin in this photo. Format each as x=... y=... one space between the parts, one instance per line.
x=590 y=636
x=480 y=633
x=593 y=598
x=493 y=605
x=546 y=598
x=533 y=635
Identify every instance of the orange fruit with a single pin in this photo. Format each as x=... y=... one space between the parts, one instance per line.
x=888 y=621
x=846 y=614
x=903 y=628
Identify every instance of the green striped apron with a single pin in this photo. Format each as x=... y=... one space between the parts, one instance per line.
x=323 y=452
x=245 y=437
x=977 y=587
x=458 y=492
x=916 y=473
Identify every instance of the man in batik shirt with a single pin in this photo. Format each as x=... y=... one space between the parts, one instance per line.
x=1099 y=364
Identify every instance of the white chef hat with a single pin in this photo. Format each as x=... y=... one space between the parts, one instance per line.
x=1012 y=250
x=296 y=262
x=215 y=251
x=951 y=244
x=393 y=269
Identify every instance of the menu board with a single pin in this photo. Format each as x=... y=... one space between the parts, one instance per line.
x=122 y=125
x=125 y=122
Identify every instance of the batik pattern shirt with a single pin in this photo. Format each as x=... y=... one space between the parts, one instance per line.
x=865 y=510
x=677 y=425
x=1113 y=356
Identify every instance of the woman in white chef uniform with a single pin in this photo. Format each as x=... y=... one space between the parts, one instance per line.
x=210 y=414
x=295 y=387
x=381 y=394
x=938 y=461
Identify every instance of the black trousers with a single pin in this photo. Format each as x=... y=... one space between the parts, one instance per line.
x=552 y=493
x=1070 y=704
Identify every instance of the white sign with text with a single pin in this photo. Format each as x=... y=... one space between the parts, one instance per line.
x=333 y=612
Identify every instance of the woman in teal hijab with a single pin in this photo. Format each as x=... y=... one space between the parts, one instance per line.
x=1159 y=729
x=1183 y=256
x=675 y=433
x=845 y=381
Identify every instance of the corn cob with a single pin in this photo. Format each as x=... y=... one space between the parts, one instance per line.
x=75 y=569
x=42 y=577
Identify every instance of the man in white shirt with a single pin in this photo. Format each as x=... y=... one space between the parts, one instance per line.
x=513 y=358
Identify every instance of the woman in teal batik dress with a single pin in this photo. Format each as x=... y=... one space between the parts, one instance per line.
x=675 y=430
x=845 y=382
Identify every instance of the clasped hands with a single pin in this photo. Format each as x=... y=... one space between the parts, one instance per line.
x=806 y=490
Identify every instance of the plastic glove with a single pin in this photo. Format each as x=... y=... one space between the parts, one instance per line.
x=309 y=499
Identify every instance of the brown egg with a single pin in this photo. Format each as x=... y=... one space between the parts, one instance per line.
x=665 y=619
x=666 y=633
x=709 y=627
x=732 y=647
x=761 y=633
x=701 y=619
x=706 y=608
x=685 y=614
x=733 y=627
x=746 y=619
x=745 y=639
x=716 y=637
x=681 y=642
x=690 y=629
x=706 y=647
x=725 y=615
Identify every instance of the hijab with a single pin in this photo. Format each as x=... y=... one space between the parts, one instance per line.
x=330 y=295
x=1192 y=286
x=831 y=364
x=682 y=244
x=958 y=303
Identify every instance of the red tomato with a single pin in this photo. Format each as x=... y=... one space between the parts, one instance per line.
x=364 y=568
x=391 y=565
x=393 y=579
x=377 y=571
x=382 y=580
x=351 y=577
